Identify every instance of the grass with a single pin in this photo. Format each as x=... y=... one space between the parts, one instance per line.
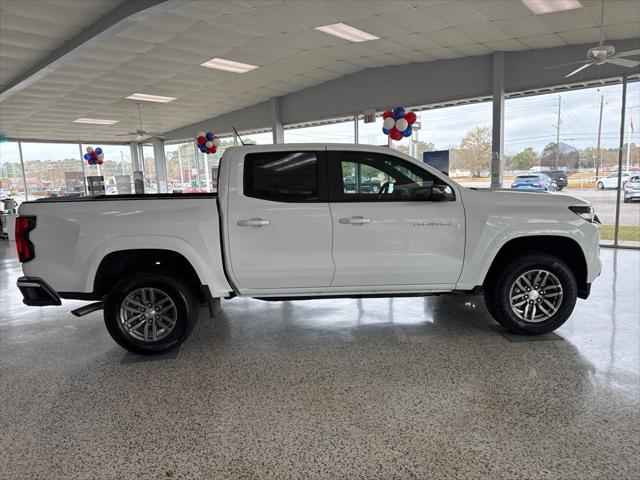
x=625 y=233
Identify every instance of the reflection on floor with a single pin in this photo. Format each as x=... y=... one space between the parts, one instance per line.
x=380 y=388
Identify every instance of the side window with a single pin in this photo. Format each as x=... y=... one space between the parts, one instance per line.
x=368 y=176
x=361 y=178
x=282 y=176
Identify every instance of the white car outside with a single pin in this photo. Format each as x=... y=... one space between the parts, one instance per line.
x=611 y=181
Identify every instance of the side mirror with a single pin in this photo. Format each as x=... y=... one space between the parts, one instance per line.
x=442 y=193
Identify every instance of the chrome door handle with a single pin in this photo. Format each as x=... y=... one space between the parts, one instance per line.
x=356 y=220
x=253 y=222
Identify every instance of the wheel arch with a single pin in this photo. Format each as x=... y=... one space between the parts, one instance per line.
x=115 y=265
x=565 y=248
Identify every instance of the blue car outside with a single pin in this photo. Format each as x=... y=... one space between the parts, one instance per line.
x=534 y=182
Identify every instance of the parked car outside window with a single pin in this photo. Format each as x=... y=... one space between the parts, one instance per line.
x=559 y=177
x=611 y=181
x=632 y=189
x=534 y=181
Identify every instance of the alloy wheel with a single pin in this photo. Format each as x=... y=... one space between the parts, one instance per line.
x=536 y=295
x=148 y=314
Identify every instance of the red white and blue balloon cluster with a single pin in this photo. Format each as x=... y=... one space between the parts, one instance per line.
x=207 y=142
x=397 y=123
x=94 y=157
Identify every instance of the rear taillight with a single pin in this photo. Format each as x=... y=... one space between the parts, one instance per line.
x=628 y=185
x=24 y=225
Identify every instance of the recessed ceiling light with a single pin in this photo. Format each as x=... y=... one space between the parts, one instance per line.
x=96 y=121
x=150 y=98
x=540 y=7
x=228 y=65
x=347 y=32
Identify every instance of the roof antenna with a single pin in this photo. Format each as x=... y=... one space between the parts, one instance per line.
x=238 y=135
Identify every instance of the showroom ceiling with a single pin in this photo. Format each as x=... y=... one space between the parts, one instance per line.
x=161 y=54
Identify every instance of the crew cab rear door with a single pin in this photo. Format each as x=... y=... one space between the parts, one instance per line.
x=389 y=227
x=278 y=221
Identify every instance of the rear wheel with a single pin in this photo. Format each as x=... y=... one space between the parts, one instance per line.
x=532 y=295
x=150 y=313
x=600 y=186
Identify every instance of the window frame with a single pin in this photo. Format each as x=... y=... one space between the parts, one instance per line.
x=336 y=186
x=321 y=177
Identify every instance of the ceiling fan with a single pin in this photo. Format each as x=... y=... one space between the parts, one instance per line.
x=141 y=133
x=602 y=54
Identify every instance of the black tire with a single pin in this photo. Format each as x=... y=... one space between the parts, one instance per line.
x=600 y=186
x=185 y=311
x=626 y=200
x=498 y=301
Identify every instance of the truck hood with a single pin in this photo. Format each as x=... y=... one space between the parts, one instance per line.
x=520 y=197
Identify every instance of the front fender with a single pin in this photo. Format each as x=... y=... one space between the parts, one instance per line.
x=482 y=250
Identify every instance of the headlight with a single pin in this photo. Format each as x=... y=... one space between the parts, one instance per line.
x=586 y=212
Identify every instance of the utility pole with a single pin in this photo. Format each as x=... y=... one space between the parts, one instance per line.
x=599 y=159
x=558 y=133
x=631 y=132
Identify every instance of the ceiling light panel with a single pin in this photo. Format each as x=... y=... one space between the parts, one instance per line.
x=96 y=121
x=228 y=65
x=540 y=7
x=342 y=30
x=150 y=98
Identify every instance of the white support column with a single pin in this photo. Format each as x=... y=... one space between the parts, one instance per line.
x=24 y=175
x=161 y=164
x=135 y=158
x=276 y=121
x=497 y=142
x=84 y=173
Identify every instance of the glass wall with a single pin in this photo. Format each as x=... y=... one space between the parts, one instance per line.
x=53 y=169
x=183 y=175
x=339 y=131
x=116 y=169
x=531 y=146
x=11 y=179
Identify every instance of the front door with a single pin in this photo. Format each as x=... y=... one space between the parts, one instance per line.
x=279 y=222
x=394 y=223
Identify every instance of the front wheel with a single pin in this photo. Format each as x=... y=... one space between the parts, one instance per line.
x=600 y=186
x=150 y=313
x=532 y=295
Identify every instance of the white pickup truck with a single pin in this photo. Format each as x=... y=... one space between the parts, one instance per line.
x=301 y=222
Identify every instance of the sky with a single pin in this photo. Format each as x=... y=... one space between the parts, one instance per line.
x=529 y=121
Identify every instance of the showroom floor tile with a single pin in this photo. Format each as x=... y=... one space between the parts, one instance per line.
x=377 y=388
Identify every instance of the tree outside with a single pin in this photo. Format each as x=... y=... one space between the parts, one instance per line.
x=524 y=160
x=474 y=152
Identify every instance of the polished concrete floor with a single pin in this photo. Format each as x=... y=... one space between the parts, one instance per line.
x=381 y=388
